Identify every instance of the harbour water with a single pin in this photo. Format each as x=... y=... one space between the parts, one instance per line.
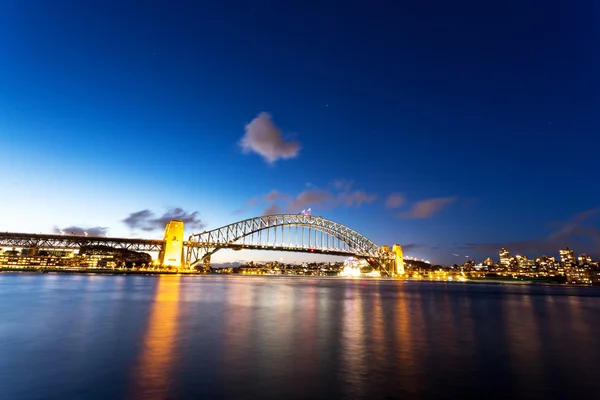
x=211 y=337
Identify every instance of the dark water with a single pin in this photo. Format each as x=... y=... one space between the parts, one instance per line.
x=142 y=337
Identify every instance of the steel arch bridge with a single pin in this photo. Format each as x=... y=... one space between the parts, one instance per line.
x=285 y=232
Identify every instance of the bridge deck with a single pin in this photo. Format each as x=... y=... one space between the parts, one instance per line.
x=239 y=246
x=45 y=241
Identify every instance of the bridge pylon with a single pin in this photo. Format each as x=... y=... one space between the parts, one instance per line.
x=171 y=254
x=399 y=259
x=392 y=261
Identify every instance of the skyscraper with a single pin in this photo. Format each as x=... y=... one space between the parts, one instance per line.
x=504 y=257
x=584 y=259
x=522 y=261
x=567 y=257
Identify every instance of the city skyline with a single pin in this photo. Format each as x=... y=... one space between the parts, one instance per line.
x=448 y=138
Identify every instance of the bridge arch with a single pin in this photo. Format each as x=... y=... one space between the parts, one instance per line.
x=204 y=244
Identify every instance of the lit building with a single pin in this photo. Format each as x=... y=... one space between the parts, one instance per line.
x=488 y=262
x=594 y=276
x=584 y=259
x=547 y=262
x=504 y=257
x=567 y=257
x=351 y=268
x=578 y=275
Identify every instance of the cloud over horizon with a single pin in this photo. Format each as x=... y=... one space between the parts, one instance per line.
x=427 y=208
x=145 y=220
x=278 y=202
x=395 y=200
x=582 y=230
x=264 y=138
x=79 y=231
x=272 y=209
x=309 y=198
x=343 y=184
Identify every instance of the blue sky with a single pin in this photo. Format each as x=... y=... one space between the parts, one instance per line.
x=481 y=120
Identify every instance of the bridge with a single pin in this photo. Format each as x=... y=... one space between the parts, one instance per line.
x=282 y=232
x=68 y=242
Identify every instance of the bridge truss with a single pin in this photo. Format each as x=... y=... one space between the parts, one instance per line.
x=285 y=232
x=41 y=241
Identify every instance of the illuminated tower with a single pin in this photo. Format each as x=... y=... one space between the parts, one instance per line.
x=584 y=259
x=172 y=253
x=387 y=260
x=567 y=257
x=504 y=257
x=397 y=250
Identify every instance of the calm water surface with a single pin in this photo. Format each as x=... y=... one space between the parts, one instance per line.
x=142 y=337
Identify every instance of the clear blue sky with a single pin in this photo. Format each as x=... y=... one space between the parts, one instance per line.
x=482 y=120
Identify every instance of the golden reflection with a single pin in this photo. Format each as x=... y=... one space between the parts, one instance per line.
x=576 y=306
x=407 y=331
x=236 y=340
x=155 y=364
x=306 y=332
x=354 y=345
x=377 y=338
x=523 y=342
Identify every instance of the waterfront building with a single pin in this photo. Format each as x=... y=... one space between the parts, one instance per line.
x=521 y=261
x=504 y=257
x=578 y=275
x=584 y=259
x=567 y=257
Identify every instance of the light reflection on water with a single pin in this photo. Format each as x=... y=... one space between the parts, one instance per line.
x=154 y=370
x=169 y=337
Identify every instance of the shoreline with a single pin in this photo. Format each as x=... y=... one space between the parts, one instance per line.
x=100 y=271
x=108 y=271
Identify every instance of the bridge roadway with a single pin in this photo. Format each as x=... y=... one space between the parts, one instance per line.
x=44 y=241
x=299 y=249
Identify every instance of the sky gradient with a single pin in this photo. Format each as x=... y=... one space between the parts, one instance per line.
x=449 y=128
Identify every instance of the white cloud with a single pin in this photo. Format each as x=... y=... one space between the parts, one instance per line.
x=263 y=137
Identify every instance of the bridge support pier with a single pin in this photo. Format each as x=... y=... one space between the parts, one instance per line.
x=399 y=259
x=206 y=263
x=171 y=254
x=392 y=261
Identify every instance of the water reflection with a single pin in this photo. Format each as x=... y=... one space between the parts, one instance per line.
x=523 y=338
x=406 y=343
x=354 y=343
x=155 y=368
x=216 y=337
